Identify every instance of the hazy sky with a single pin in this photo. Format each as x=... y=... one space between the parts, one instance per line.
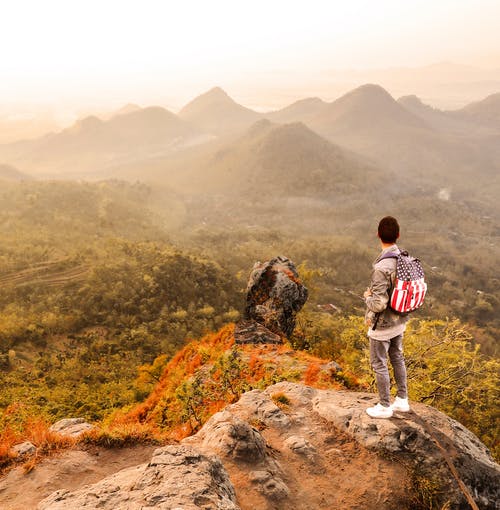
x=96 y=52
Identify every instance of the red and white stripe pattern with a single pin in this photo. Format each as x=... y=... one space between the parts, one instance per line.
x=408 y=295
x=409 y=288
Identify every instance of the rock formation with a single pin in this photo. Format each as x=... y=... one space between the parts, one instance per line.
x=251 y=332
x=176 y=477
x=274 y=296
x=72 y=427
x=292 y=446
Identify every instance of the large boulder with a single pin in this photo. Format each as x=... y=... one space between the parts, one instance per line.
x=176 y=477
x=71 y=427
x=274 y=295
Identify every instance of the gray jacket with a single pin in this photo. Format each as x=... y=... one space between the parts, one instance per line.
x=382 y=282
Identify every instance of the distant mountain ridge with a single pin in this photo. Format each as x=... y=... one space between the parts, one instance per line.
x=446 y=121
x=92 y=144
x=402 y=136
x=486 y=111
x=215 y=112
x=361 y=109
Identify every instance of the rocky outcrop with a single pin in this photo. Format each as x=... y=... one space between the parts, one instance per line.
x=292 y=446
x=67 y=427
x=176 y=477
x=251 y=332
x=71 y=427
x=24 y=449
x=274 y=296
x=433 y=444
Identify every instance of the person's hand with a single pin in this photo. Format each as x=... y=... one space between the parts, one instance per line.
x=368 y=322
x=367 y=293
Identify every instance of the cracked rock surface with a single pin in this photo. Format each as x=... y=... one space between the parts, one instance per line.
x=320 y=450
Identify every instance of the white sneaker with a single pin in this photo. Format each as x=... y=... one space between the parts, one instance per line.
x=401 y=405
x=379 y=411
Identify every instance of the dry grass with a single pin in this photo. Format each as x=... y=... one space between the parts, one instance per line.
x=36 y=431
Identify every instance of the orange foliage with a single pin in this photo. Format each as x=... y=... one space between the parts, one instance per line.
x=181 y=431
x=8 y=439
x=193 y=363
x=255 y=367
x=36 y=430
x=182 y=364
x=311 y=375
x=39 y=434
x=221 y=383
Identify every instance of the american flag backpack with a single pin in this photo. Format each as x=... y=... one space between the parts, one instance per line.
x=409 y=288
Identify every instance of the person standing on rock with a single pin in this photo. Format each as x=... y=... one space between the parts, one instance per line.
x=386 y=327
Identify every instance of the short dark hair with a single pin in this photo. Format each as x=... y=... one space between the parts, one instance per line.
x=388 y=229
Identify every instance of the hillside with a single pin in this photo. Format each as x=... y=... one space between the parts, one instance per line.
x=485 y=112
x=61 y=215
x=91 y=144
x=287 y=160
x=9 y=173
x=216 y=113
x=441 y=120
x=300 y=111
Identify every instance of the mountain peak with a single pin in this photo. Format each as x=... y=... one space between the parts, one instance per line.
x=367 y=107
x=371 y=91
x=217 y=92
x=214 y=95
x=216 y=112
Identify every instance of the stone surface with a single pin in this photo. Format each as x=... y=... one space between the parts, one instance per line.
x=258 y=406
x=333 y=367
x=176 y=477
x=231 y=437
x=71 y=427
x=70 y=470
x=426 y=438
x=251 y=332
x=235 y=440
x=301 y=446
x=274 y=295
x=270 y=485
x=311 y=455
x=24 y=449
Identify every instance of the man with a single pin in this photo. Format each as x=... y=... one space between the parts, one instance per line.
x=386 y=327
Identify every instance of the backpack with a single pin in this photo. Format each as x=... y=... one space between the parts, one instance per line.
x=409 y=288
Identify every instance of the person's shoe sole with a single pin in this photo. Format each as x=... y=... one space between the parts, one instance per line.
x=378 y=415
x=401 y=409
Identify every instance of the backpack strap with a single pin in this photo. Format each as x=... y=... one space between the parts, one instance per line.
x=392 y=255
x=388 y=255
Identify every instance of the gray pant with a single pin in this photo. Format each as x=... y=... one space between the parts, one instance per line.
x=378 y=359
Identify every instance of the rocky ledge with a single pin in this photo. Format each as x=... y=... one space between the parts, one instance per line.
x=292 y=446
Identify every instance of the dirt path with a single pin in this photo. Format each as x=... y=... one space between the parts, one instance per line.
x=70 y=470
